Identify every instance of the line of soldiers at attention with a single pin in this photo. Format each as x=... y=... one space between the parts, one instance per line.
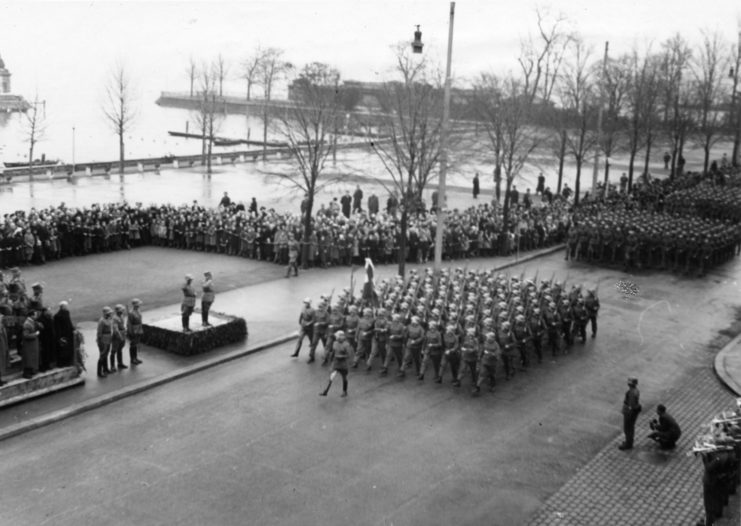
x=720 y=450
x=641 y=239
x=470 y=323
x=114 y=327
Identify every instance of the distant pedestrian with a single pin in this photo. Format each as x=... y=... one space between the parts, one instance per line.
x=631 y=408
x=373 y=204
x=667 y=159
x=306 y=321
x=293 y=247
x=514 y=195
x=357 y=200
x=225 y=201
x=207 y=298
x=623 y=183
x=253 y=206
x=341 y=355
x=346 y=203
x=665 y=429
x=189 y=302
x=476 y=189
x=541 y=184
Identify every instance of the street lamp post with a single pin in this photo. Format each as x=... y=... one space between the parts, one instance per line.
x=444 y=151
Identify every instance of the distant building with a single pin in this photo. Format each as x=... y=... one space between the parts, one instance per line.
x=8 y=101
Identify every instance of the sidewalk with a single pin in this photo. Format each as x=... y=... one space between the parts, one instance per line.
x=270 y=308
x=728 y=365
x=647 y=485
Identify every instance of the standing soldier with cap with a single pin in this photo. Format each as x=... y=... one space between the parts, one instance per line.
x=364 y=337
x=134 y=330
x=341 y=355
x=118 y=339
x=208 y=297
x=189 y=302
x=103 y=338
x=592 y=305
x=30 y=344
x=631 y=408
x=306 y=321
x=413 y=350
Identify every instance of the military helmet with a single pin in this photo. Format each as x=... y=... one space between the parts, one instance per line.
x=107 y=310
x=490 y=335
x=353 y=308
x=450 y=328
x=433 y=324
x=381 y=311
x=367 y=312
x=396 y=317
x=340 y=335
x=415 y=319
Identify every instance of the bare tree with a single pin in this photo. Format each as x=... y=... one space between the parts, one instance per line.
x=615 y=85
x=541 y=57
x=580 y=106
x=412 y=126
x=307 y=128
x=221 y=70
x=735 y=118
x=192 y=72
x=35 y=126
x=272 y=68
x=641 y=104
x=208 y=117
x=674 y=99
x=119 y=106
x=251 y=69
x=506 y=110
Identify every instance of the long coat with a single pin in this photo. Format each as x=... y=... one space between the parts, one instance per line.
x=64 y=331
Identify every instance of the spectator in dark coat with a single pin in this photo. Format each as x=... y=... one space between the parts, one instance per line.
x=476 y=187
x=47 y=342
x=346 y=203
x=666 y=431
x=357 y=200
x=64 y=332
x=373 y=204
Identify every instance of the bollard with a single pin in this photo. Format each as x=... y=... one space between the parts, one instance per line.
x=140 y=167
x=88 y=171
x=175 y=164
x=49 y=174
x=241 y=157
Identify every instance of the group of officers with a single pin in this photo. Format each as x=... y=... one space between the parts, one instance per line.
x=467 y=322
x=114 y=327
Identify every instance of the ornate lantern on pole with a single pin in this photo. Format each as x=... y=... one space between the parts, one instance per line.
x=417 y=44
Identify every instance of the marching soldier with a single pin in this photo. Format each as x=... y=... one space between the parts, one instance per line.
x=470 y=357
x=352 y=321
x=321 y=322
x=509 y=349
x=364 y=337
x=553 y=323
x=451 y=356
x=490 y=354
x=336 y=323
x=380 y=338
x=397 y=339
x=521 y=336
x=413 y=350
x=566 y=316
x=433 y=350
x=341 y=356
x=537 y=329
x=581 y=317
x=306 y=321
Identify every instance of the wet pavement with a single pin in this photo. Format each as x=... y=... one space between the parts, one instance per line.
x=250 y=442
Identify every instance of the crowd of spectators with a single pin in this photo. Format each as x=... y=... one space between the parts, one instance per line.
x=340 y=235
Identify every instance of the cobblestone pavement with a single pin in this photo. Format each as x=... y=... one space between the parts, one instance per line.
x=645 y=485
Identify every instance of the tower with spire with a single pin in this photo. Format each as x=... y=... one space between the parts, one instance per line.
x=4 y=77
x=8 y=101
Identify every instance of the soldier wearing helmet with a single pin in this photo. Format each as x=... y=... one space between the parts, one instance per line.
x=189 y=302
x=306 y=323
x=470 y=356
x=507 y=344
x=341 y=355
x=581 y=317
x=134 y=329
x=451 y=355
x=336 y=323
x=413 y=349
x=351 y=325
x=591 y=303
x=537 y=329
x=364 y=337
x=433 y=350
x=380 y=338
x=521 y=335
x=490 y=354
x=567 y=320
x=321 y=324
x=397 y=332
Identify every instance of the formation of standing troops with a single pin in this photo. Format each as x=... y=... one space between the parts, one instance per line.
x=469 y=324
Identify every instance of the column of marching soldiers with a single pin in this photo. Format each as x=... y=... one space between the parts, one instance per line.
x=469 y=323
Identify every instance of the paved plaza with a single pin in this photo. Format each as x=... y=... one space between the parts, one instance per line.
x=251 y=442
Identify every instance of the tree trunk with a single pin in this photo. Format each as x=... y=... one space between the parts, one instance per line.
x=505 y=215
x=265 y=132
x=631 y=162
x=561 y=156
x=192 y=79
x=607 y=174
x=305 y=238
x=649 y=141
x=706 y=161
x=120 y=151
x=577 y=183
x=403 y=237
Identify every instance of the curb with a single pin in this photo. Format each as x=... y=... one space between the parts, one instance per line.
x=719 y=366
x=545 y=252
x=107 y=398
